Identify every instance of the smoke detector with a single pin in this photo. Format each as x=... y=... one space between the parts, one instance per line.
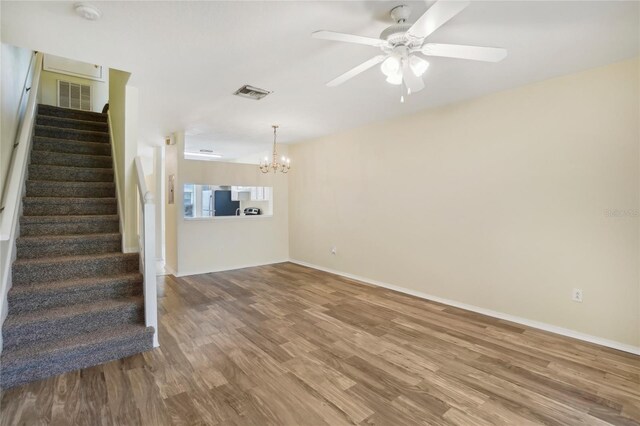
x=251 y=92
x=88 y=11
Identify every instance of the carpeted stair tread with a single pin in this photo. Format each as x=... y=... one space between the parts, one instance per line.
x=30 y=271
x=49 y=144
x=64 y=133
x=30 y=247
x=47 y=188
x=40 y=361
x=71 y=123
x=71 y=159
x=80 y=283
x=124 y=331
x=53 y=111
x=62 y=259
x=70 y=174
x=64 y=312
x=57 y=206
x=27 y=298
x=30 y=328
x=68 y=224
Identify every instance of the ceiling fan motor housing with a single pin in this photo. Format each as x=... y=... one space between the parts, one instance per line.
x=396 y=33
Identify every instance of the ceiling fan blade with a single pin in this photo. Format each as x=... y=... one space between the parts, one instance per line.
x=412 y=81
x=348 y=38
x=475 y=53
x=436 y=16
x=355 y=71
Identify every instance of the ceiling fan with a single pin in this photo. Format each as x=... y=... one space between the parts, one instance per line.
x=403 y=43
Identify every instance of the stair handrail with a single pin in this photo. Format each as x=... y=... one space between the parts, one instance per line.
x=15 y=184
x=18 y=168
x=146 y=241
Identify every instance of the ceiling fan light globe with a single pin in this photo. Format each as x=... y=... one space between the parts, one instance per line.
x=395 y=79
x=390 y=66
x=418 y=65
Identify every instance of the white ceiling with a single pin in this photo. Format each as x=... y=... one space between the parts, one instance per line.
x=188 y=57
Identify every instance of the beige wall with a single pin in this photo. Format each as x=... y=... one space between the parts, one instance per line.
x=171 y=210
x=48 y=90
x=199 y=246
x=14 y=67
x=503 y=202
x=123 y=112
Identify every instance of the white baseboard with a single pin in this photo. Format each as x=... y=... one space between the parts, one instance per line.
x=223 y=269
x=519 y=320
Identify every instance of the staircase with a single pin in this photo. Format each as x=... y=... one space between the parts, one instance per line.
x=76 y=299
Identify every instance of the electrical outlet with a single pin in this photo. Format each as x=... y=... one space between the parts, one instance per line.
x=576 y=295
x=334 y=250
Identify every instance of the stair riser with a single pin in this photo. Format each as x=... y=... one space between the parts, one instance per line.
x=33 y=251
x=38 y=208
x=71 y=134
x=46 y=110
x=92 y=126
x=71 y=228
x=37 y=172
x=60 y=159
x=70 y=147
x=58 y=271
x=63 y=189
x=55 y=299
x=59 y=363
x=47 y=331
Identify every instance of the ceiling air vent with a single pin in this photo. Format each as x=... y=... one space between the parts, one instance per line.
x=251 y=92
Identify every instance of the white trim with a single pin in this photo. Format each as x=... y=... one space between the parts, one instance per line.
x=117 y=182
x=46 y=65
x=224 y=269
x=216 y=218
x=519 y=320
x=159 y=264
x=147 y=242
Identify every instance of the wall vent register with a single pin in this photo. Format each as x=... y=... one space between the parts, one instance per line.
x=74 y=96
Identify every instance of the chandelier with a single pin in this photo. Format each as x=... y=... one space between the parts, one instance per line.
x=275 y=166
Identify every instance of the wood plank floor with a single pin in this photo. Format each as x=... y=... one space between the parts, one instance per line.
x=288 y=345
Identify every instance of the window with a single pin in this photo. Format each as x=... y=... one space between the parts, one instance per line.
x=227 y=200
